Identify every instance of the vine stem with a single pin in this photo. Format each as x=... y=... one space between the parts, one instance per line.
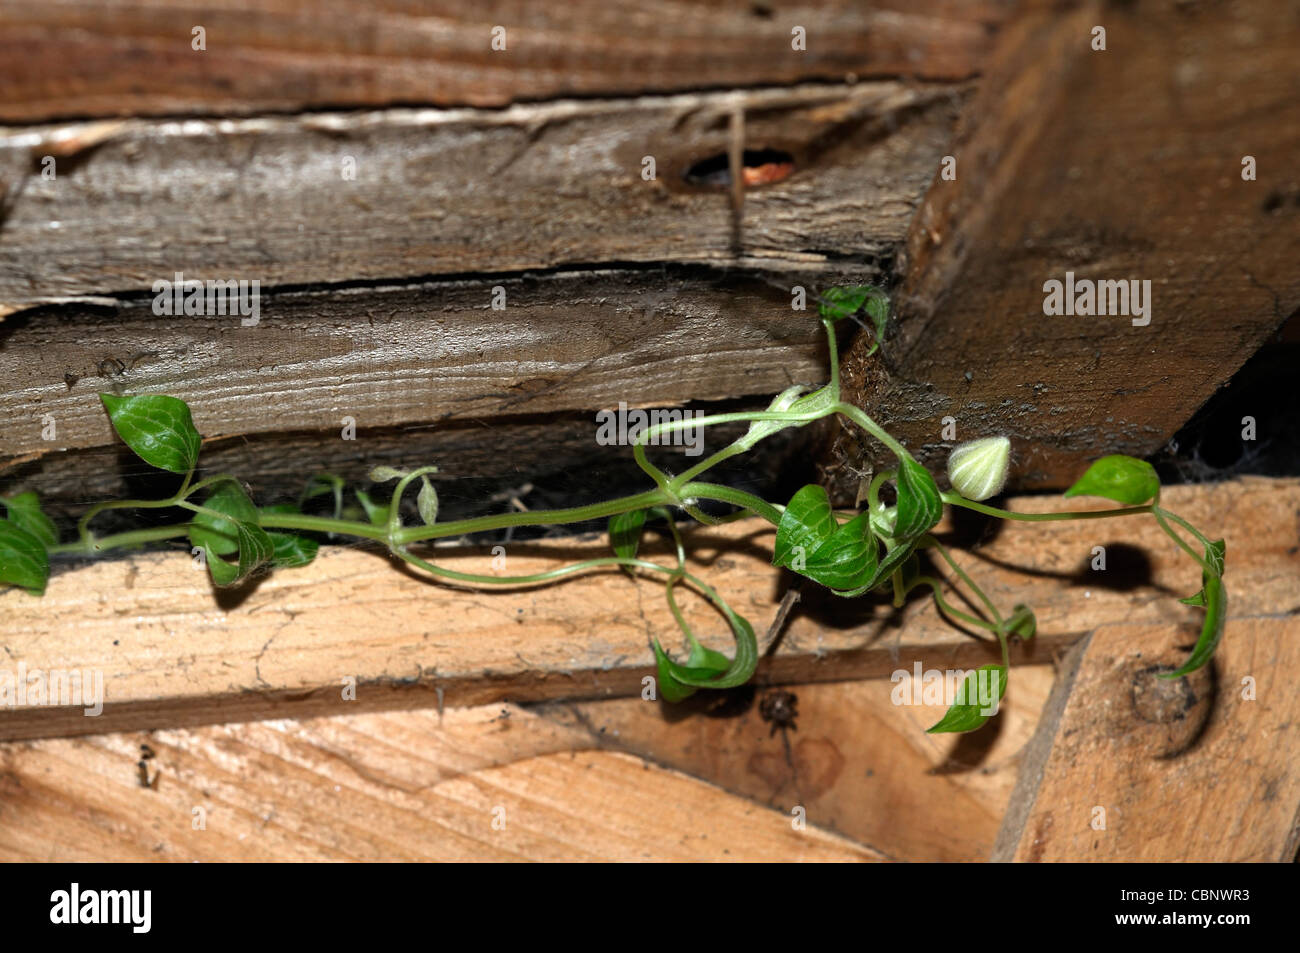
x=956 y=499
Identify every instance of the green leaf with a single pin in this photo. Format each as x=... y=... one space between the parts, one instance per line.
x=675 y=678
x=25 y=511
x=806 y=523
x=218 y=535
x=426 y=502
x=844 y=302
x=1022 y=622
x=321 y=484
x=969 y=711
x=158 y=428
x=1214 y=597
x=919 y=504
x=24 y=561
x=1216 y=611
x=235 y=532
x=703 y=664
x=289 y=551
x=377 y=513
x=848 y=558
x=625 y=532
x=895 y=559
x=1119 y=478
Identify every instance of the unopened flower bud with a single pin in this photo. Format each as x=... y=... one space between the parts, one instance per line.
x=978 y=468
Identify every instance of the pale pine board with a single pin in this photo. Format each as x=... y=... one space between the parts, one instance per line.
x=174 y=655
x=1193 y=771
x=378 y=787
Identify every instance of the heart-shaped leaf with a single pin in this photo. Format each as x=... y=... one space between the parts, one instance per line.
x=158 y=428
x=702 y=664
x=234 y=532
x=701 y=670
x=848 y=558
x=974 y=704
x=1119 y=478
x=24 y=561
x=25 y=511
x=806 y=523
x=289 y=550
x=216 y=534
x=919 y=503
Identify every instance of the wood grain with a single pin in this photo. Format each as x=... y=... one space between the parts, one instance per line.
x=173 y=654
x=1116 y=164
x=133 y=57
x=431 y=353
x=1127 y=767
x=379 y=787
x=857 y=763
x=460 y=192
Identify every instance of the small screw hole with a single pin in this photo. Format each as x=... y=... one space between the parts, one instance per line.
x=759 y=167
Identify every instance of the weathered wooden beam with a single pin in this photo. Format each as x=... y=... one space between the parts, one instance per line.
x=482 y=784
x=172 y=654
x=430 y=353
x=1119 y=164
x=125 y=57
x=356 y=197
x=1129 y=767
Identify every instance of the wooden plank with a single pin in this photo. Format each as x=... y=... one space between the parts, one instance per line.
x=429 y=353
x=1103 y=164
x=857 y=763
x=129 y=57
x=460 y=192
x=1126 y=767
x=481 y=784
x=171 y=654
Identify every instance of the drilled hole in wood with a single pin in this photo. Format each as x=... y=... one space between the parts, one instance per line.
x=758 y=167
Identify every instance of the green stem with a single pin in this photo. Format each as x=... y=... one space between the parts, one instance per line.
x=956 y=499
x=1204 y=540
x=479 y=524
x=947 y=609
x=859 y=417
x=133 y=537
x=727 y=494
x=323 y=524
x=1182 y=543
x=929 y=542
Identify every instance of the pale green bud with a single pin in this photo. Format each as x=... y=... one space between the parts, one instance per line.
x=978 y=468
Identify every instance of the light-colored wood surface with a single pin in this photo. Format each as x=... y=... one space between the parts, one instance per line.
x=1127 y=767
x=556 y=185
x=171 y=654
x=1103 y=164
x=134 y=57
x=397 y=786
x=858 y=763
